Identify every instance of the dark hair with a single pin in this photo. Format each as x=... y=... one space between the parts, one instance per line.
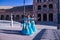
x=31 y=16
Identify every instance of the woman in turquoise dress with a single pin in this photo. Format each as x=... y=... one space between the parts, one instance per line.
x=27 y=27
x=33 y=26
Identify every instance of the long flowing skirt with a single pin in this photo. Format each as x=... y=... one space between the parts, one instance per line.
x=27 y=28
x=33 y=26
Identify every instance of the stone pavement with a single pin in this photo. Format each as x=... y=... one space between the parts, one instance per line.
x=48 y=34
x=44 y=32
x=41 y=34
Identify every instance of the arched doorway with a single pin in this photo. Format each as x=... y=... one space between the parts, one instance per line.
x=22 y=16
x=44 y=17
x=17 y=17
x=39 y=17
x=51 y=17
x=7 y=17
x=2 y=17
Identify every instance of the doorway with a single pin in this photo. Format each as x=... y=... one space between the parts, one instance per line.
x=39 y=17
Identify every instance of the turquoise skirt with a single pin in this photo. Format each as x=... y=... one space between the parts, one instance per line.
x=27 y=28
x=33 y=26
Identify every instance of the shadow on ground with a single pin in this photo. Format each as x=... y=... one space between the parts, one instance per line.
x=47 y=23
x=16 y=32
x=39 y=35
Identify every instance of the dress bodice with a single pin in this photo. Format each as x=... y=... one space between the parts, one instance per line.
x=32 y=19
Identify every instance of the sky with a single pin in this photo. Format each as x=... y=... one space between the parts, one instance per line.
x=14 y=2
x=11 y=3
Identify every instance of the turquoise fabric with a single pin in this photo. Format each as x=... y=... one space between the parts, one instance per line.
x=29 y=26
x=25 y=29
x=33 y=26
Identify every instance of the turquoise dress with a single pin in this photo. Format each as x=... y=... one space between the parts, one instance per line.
x=33 y=26
x=27 y=27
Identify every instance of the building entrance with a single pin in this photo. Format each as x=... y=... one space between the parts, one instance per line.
x=2 y=17
x=7 y=17
x=44 y=17
x=51 y=17
x=39 y=17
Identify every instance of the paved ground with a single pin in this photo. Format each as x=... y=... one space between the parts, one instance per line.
x=44 y=32
x=48 y=35
x=41 y=35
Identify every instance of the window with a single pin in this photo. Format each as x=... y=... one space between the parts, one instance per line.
x=38 y=1
x=7 y=17
x=44 y=0
x=50 y=17
x=39 y=7
x=2 y=17
x=44 y=6
x=44 y=17
x=39 y=17
x=50 y=6
x=50 y=0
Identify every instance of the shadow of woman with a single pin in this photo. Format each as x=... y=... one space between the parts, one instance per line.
x=16 y=32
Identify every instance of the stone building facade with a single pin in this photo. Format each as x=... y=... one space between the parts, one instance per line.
x=17 y=12
x=44 y=11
